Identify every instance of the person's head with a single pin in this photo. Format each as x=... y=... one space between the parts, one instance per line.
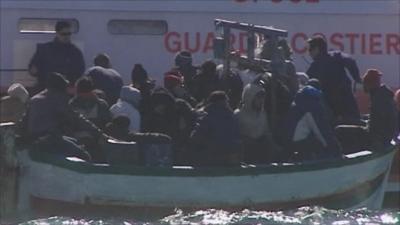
x=102 y=60
x=19 y=92
x=209 y=67
x=63 y=31
x=286 y=50
x=139 y=75
x=131 y=95
x=397 y=99
x=84 y=85
x=183 y=58
x=316 y=46
x=372 y=80
x=56 y=82
x=218 y=98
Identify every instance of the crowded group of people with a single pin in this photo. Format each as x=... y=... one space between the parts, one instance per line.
x=207 y=117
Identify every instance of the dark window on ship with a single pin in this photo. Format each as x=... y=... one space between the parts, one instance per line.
x=138 y=27
x=44 y=26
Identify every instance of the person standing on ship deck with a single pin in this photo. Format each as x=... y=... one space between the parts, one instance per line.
x=59 y=55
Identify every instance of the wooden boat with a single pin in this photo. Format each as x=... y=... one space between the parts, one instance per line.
x=358 y=180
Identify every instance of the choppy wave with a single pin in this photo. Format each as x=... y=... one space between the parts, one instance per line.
x=304 y=215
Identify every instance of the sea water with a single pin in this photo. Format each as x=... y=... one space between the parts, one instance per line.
x=304 y=215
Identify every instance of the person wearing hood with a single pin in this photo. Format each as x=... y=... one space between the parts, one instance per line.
x=206 y=81
x=383 y=116
x=89 y=105
x=216 y=137
x=105 y=77
x=13 y=106
x=306 y=133
x=253 y=124
x=128 y=105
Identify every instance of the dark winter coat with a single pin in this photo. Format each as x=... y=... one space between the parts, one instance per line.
x=107 y=80
x=54 y=56
x=164 y=122
x=330 y=70
x=204 y=84
x=383 y=115
x=216 y=136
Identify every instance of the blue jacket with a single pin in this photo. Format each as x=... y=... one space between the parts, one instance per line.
x=306 y=119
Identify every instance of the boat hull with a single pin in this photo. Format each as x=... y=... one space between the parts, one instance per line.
x=357 y=181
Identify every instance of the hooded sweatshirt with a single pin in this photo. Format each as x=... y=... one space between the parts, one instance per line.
x=305 y=120
x=13 y=106
x=127 y=105
x=252 y=123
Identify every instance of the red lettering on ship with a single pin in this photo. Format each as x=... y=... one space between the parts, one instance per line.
x=353 y=43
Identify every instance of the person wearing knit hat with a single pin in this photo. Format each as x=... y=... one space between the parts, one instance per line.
x=89 y=105
x=13 y=106
x=383 y=114
x=173 y=82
